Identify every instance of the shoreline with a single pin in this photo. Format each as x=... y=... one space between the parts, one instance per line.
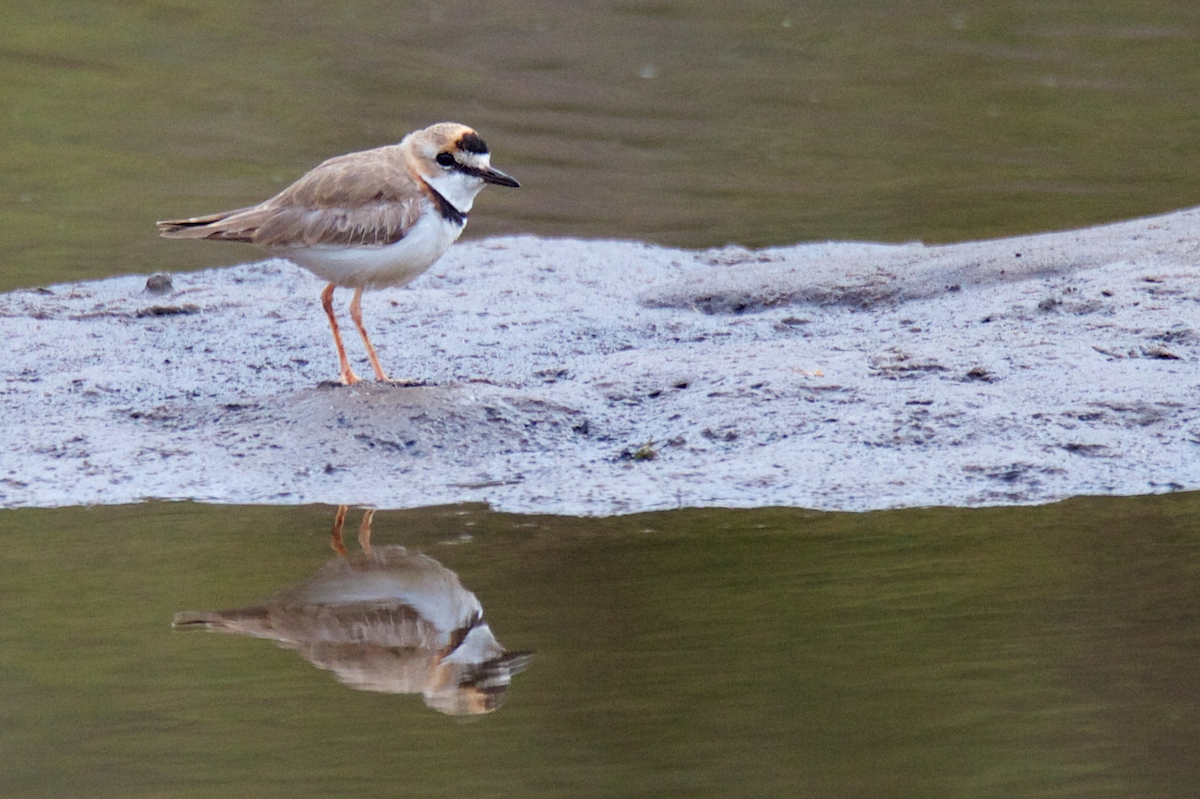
x=602 y=377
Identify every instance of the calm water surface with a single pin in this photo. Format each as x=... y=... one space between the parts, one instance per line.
x=691 y=123
x=991 y=653
x=988 y=653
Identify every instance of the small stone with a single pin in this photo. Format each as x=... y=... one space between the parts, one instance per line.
x=1160 y=353
x=159 y=283
x=186 y=309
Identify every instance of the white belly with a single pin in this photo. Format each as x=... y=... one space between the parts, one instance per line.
x=378 y=267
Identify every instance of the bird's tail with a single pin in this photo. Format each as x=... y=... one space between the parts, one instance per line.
x=225 y=620
x=239 y=225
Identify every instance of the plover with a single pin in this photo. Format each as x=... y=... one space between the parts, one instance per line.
x=365 y=220
x=385 y=620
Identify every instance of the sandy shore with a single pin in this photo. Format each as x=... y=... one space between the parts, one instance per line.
x=599 y=377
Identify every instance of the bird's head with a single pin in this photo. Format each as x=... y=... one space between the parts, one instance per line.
x=454 y=161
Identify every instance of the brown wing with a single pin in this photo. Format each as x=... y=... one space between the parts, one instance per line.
x=387 y=624
x=238 y=225
x=364 y=199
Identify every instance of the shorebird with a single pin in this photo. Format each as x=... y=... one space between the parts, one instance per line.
x=385 y=620
x=365 y=220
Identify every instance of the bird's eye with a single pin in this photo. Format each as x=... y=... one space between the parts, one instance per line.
x=445 y=159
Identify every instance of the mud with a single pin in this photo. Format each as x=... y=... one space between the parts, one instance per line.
x=601 y=377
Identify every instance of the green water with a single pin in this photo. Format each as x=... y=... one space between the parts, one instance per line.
x=682 y=122
x=942 y=653
x=987 y=653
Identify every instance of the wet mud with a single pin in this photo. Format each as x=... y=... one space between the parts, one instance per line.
x=601 y=377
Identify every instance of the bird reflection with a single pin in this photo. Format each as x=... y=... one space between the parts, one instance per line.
x=384 y=620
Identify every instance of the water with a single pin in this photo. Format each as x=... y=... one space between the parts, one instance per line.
x=986 y=653
x=685 y=123
x=990 y=653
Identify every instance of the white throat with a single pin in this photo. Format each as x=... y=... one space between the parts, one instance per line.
x=457 y=187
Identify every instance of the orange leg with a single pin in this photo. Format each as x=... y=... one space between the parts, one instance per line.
x=347 y=374
x=356 y=315
x=335 y=538
x=364 y=531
